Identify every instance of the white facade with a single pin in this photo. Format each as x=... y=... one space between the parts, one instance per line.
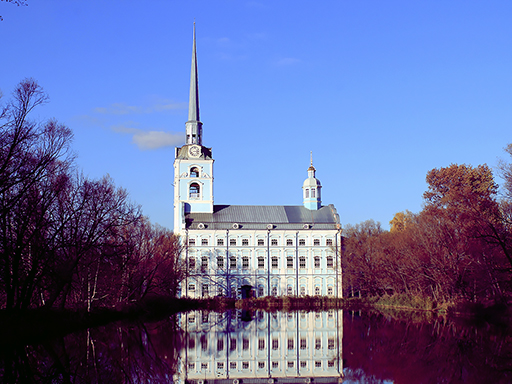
x=241 y=251
x=293 y=347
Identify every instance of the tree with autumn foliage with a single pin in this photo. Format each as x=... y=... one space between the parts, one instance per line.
x=457 y=248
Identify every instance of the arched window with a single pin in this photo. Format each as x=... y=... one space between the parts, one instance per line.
x=194 y=172
x=194 y=191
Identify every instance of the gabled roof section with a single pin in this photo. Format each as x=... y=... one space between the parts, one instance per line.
x=253 y=217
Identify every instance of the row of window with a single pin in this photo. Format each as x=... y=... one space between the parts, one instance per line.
x=260 y=242
x=261 y=262
x=261 y=344
x=205 y=291
x=261 y=364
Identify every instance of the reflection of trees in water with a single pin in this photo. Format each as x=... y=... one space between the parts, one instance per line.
x=440 y=351
x=110 y=354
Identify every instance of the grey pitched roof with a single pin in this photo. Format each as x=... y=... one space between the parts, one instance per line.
x=259 y=216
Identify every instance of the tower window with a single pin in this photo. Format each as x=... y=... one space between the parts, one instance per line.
x=312 y=192
x=307 y=193
x=194 y=172
x=194 y=191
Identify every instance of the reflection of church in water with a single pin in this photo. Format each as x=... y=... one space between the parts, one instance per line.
x=246 y=250
x=262 y=347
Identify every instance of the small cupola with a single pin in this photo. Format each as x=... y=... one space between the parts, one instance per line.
x=311 y=189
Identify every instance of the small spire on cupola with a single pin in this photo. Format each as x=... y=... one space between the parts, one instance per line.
x=194 y=127
x=311 y=189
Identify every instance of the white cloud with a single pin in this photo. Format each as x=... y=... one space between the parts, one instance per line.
x=148 y=140
x=158 y=105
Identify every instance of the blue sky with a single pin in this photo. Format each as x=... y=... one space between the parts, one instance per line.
x=380 y=91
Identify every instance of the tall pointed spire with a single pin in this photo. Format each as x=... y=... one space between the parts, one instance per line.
x=194 y=127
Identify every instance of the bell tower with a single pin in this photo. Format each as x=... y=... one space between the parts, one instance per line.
x=311 y=189
x=193 y=163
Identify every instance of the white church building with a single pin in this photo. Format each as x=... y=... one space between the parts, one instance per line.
x=250 y=250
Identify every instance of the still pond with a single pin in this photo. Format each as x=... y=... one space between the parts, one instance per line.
x=238 y=346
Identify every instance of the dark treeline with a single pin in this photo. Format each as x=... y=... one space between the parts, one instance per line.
x=457 y=249
x=67 y=241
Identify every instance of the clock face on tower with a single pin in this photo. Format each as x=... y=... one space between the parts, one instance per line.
x=194 y=151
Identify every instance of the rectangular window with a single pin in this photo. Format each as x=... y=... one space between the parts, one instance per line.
x=220 y=241
x=303 y=291
x=289 y=262
x=232 y=262
x=204 y=262
x=318 y=364
x=303 y=364
x=274 y=291
x=191 y=366
x=317 y=291
x=302 y=241
x=329 y=291
x=302 y=262
x=290 y=364
x=318 y=343
x=204 y=241
x=261 y=364
x=220 y=365
x=232 y=344
x=245 y=262
x=275 y=364
x=261 y=344
x=261 y=262
x=191 y=287
x=245 y=241
x=317 y=261
x=232 y=241
x=192 y=263
x=303 y=343
x=220 y=262
x=328 y=242
x=261 y=242
x=260 y=291
x=245 y=344
x=290 y=344
x=330 y=363
x=232 y=364
x=289 y=242
x=275 y=344
x=245 y=365
x=274 y=262
x=312 y=192
x=330 y=262
x=205 y=289
x=191 y=241
x=330 y=343
x=316 y=242
x=290 y=290
x=220 y=344
x=273 y=242
x=204 y=318
x=204 y=366
x=204 y=343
